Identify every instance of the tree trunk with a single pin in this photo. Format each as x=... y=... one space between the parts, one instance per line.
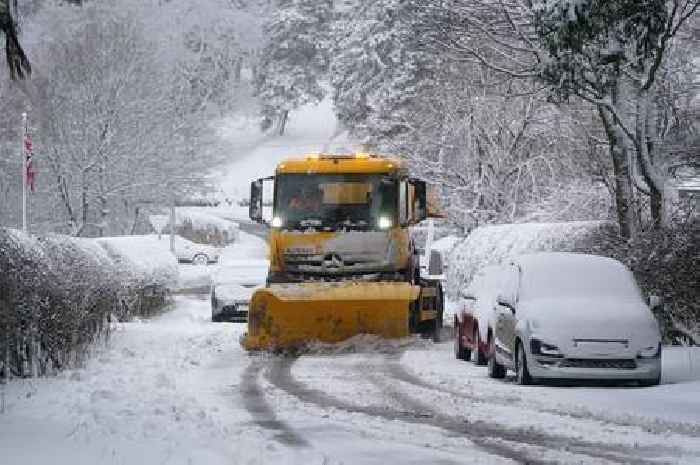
x=656 y=205
x=282 y=122
x=627 y=217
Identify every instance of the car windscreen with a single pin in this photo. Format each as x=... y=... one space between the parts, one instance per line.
x=334 y=201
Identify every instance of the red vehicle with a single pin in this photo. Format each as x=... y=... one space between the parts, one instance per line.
x=474 y=316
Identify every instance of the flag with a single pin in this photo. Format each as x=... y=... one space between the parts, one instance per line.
x=28 y=162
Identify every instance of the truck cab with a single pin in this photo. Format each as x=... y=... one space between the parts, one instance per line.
x=341 y=217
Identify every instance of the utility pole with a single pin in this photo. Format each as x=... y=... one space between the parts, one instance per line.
x=172 y=226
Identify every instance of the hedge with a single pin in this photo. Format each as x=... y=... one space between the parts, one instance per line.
x=58 y=295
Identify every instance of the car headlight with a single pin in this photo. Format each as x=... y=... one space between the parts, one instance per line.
x=538 y=347
x=384 y=222
x=650 y=352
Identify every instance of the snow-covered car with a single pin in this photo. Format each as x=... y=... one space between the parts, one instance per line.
x=474 y=316
x=573 y=316
x=232 y=287
x=187 y=251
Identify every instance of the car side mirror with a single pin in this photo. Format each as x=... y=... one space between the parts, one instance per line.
x=655 y=301
x=435 y=264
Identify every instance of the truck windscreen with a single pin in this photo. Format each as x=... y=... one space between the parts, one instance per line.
x=335 y=201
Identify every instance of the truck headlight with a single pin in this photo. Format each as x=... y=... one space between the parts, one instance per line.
x=650 y=352
x=276 y=222
x=384 y=222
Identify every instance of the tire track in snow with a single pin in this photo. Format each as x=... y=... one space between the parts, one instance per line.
x=280 y=375
x=658 y=427
x=263 y=415
x=391 y=370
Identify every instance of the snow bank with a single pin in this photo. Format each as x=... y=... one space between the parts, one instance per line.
x=148 y=259
x=491 y=245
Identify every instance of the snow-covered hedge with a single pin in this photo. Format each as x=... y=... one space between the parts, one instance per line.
x=145 y=258
x=491 y=245
x=665 y=263
x=58 y=295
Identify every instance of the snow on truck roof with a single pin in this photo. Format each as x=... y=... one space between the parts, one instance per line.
x=364 y=163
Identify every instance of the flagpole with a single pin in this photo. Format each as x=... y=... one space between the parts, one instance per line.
x=24 y=173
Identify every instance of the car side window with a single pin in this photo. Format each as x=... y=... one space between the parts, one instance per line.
x=511 y=283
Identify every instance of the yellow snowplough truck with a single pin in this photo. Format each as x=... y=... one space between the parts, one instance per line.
x=342 y=259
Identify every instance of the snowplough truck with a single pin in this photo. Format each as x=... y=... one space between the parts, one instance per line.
x=342 y=258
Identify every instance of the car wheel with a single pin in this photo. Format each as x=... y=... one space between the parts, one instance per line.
x=522 y=373
x=478 y=356
x=200 y=259
x=496 y=370
x=460 y=352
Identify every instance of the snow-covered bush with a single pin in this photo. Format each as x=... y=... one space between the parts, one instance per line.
x=665 y=263
x=58 y=295
x=144 y=258
x=491 y=245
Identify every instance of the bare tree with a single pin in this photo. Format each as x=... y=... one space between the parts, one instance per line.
x=17 y=60
x=613 y=55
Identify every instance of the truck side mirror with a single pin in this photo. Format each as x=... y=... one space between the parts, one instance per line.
x=435 y=266
x=255 y=209
x=420 y=204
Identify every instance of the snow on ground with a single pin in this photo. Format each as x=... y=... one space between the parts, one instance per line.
x=674 y=401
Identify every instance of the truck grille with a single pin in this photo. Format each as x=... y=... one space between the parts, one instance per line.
x=616 y=364
x=332 y=264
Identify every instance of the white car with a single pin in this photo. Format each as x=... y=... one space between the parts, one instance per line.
x=233 y=286
x=187 y=251
x=573 y=316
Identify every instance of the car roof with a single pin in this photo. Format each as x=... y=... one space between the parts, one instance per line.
x=548 y=260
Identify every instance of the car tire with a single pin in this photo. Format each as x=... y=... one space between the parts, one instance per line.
x=522 y=374
x=460 y=352
x=200 y=259
x=478 y=357
x=495 y=369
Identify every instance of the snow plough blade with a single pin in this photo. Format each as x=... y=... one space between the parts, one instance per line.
x=285 y=317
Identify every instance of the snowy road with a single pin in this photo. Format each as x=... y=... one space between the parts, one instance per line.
x=179 y=390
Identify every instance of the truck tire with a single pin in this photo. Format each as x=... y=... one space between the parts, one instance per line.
x=437 y=323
